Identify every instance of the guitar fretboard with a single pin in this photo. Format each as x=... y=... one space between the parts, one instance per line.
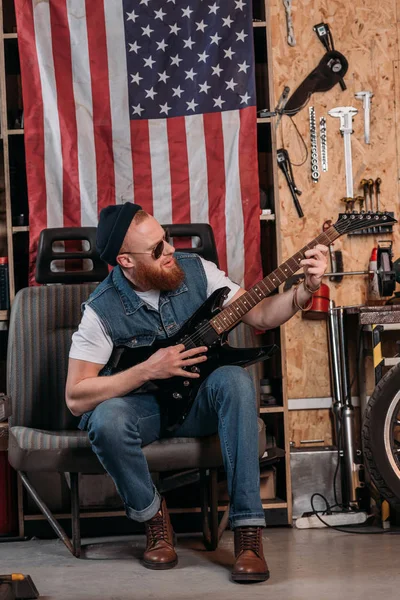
x=233 y=313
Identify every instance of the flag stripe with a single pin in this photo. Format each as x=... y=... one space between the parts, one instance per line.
x=101 y=103
x=66 y=109
x=121 y=139
x=178 y=158
x=33 y=119
x=142 y=179
x=159 y=154
x=233 y=206
x=51 y=123
x=197 y=166
x=216 y=181
x=83 y=111
x=250 y=192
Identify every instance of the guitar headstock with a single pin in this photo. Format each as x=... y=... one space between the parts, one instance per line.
x=355 y=221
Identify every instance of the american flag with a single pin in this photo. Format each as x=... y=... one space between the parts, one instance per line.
x=151 y=101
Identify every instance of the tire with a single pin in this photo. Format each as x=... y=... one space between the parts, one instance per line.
x=383 y=406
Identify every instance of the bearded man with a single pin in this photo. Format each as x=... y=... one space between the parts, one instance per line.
x=148 y=296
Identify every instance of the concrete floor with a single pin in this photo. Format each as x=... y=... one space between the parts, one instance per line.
x=304 y=564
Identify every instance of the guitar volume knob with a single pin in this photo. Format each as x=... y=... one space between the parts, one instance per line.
x=177 y=396
x=195 y=370
x=186 y=382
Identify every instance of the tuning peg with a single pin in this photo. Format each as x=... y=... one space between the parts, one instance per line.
x=360 y=200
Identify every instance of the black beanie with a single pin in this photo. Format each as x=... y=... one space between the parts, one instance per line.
x=113 y=224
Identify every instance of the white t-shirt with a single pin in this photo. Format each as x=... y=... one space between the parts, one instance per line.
x=92 y=343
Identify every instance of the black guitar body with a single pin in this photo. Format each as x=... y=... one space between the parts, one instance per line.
x=177 y=392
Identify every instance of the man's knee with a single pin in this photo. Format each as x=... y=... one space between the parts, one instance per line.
x=109 y=420
x=233 y=381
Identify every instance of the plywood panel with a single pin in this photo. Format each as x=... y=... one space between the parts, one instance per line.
x=305 y=426
x=368 y=39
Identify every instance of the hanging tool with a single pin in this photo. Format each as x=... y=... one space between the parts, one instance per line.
x=364 y=185
x=314 y=146
x=323 y=144
x=378 y=182
x=325 y=37
x=371 y=193
x=345 y=114
x=366 y=98
x=291 y=40
x=279 y=108
x=286 y=166
x=335 y=255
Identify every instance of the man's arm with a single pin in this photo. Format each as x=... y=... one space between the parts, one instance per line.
x=276 y=310
x=85 y=389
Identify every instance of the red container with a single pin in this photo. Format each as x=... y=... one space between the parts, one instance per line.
x=8 y=496
x=320 y=304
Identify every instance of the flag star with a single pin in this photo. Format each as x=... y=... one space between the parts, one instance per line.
x=136 y=78
x=163 y=76
x=150 y=93
x=146 y=2
x=147 y=30
x=161 y=45
x=160 y=14
x=204 y=87
x=175 y=60
x=229 y=53
x=241 y=36
x=203 y=57
x=227 y=22
x=132 y=16
x=177 y=91
x=186 y=12
x=230 y=85
x=217 y=70
x=134 y=47
x=201 y=25
x=188 y=43
x=149 y=62
x=171 y=1
x=243 y=67
x=245 y=98
x=164 y=108
x=239 y=4
x=213 y=9
x=137 y=110
x=218 y=102
x=174 y=28
x=215 y=39
x=190 y=74
x=191 y=105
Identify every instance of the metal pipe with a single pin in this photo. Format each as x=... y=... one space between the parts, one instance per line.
x=335 y=368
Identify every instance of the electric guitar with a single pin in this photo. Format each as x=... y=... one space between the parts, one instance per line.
x=210 y=324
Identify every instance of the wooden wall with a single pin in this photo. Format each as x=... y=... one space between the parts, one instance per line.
x=367 y=33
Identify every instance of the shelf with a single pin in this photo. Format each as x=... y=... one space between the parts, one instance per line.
x=264 y=119
x=20 y=228
x=3 y=315
x=259 y=23
x=92 y=514
x=14 y=132
x=271 y=409
x=10 y=36
x=267 y=217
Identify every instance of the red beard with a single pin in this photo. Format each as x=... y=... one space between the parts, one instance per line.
x=158 y=278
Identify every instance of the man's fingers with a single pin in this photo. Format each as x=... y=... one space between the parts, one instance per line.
x=194 y=351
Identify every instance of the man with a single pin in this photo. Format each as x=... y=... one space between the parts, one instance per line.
x=148 y=296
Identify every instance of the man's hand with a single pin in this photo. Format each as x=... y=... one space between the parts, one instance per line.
x=314 y=266
x=169 y=362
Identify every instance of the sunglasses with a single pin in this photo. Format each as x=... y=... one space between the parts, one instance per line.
x=158 y=249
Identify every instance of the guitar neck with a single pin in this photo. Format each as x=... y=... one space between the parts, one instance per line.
x=233 y=313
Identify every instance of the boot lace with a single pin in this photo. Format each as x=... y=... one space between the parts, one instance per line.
x=157 y=529
x=249 y=539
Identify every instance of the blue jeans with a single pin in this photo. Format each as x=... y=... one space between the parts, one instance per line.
x=225 y=403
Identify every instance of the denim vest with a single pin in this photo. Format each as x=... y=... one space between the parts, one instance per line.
x=131 y=322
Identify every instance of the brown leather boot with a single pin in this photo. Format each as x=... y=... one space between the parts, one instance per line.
x=250 y=563
x=160 y=552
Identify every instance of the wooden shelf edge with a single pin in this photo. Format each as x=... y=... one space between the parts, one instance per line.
x=3 y=315
x=259 y=23
x=271 y=409
x=268 y=504
x=10 y=36
x=14 y=132
x=264 y=119
x=21 y=228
